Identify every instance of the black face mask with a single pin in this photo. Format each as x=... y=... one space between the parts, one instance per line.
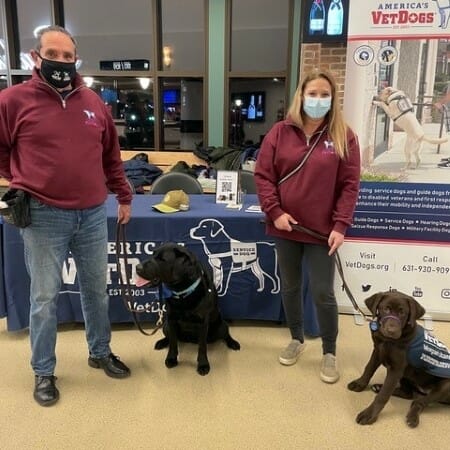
x=58 y=74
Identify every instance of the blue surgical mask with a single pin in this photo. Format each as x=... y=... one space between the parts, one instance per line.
x=316 y=107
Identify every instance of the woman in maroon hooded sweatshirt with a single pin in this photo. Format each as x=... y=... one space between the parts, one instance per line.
x=320 y=195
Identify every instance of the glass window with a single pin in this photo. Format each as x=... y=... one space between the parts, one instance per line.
x=3 y=82
x=130 y=101
x=17 y=79
x=182 y=106
x=110 y=30
x=254 y=24
x=31 y=16
x=183 y=35
x=255 y=105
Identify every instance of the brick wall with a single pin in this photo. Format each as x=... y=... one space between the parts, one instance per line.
x=331 y=57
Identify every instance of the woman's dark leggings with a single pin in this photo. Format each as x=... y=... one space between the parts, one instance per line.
x=319 y=268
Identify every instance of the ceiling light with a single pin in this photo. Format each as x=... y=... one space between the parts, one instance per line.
x=144 y=82
x=89 y=81
x=167 y=56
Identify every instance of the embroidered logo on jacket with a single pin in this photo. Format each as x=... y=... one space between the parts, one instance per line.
x=91 y=120
x=329 y=147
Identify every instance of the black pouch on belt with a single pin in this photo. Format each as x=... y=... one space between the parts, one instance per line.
x=15 y=208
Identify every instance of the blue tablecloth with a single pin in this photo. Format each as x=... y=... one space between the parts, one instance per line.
x=233 y=243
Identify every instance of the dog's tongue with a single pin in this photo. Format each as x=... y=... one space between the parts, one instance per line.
x=140 y=281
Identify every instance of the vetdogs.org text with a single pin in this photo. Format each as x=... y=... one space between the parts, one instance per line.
x=367 y=266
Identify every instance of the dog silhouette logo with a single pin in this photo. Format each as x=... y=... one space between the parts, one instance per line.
x=91 y=119
x=228 y=256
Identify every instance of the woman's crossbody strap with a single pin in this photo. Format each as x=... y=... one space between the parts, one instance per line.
x=302 y=162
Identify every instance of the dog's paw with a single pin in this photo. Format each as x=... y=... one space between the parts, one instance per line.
x=412 y=418
x=356 y=385
x=231 y=343
x=162 y=343
x=366 y=417
x=203 y=369
x=171 y=362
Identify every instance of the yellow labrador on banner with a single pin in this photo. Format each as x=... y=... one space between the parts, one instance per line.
x=400 y=109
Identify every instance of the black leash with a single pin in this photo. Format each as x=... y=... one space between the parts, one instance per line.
x=339 y=267
x=125 y=285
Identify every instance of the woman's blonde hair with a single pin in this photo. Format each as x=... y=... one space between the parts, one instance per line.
x=337 y=128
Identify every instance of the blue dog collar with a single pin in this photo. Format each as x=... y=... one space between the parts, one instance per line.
x=188 y=290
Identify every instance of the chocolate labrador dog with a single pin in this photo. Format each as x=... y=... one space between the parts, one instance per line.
x=192 y=311
x=418 y=365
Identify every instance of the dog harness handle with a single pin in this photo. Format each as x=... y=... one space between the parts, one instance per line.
x=404 y=104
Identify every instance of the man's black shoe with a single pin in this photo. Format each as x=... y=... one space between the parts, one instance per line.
x=45 y=391
x=444 y=164
x=112 y=366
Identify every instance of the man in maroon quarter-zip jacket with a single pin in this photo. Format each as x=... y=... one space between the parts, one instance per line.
x=58 y=143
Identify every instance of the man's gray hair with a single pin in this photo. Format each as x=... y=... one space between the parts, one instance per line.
x=56 y=28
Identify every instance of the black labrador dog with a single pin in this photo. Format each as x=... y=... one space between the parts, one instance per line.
x=192 y=311
x=418 y=365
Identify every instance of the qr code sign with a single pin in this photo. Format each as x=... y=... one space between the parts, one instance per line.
x=226 y=186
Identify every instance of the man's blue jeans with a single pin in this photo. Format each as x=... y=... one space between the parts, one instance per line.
x=47 y=242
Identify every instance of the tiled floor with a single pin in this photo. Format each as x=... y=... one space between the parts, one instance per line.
x=248 y=401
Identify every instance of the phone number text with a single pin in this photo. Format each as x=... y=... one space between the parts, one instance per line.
x=425 y=269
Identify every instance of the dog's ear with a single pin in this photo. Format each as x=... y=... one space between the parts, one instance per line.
x=183 y=251
x=179 y=250
x=416 y=310
x=373 y=301
x=216 y=228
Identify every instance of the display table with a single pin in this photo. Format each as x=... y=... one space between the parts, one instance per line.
x=231 y=242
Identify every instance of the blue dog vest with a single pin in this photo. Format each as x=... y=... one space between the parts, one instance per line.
x=428 y=353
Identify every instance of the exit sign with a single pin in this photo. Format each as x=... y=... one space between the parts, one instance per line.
x=125 y=64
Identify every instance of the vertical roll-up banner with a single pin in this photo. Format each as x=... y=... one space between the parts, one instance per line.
x=397 y=99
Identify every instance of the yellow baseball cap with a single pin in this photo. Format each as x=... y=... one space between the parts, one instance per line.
x=173 y=201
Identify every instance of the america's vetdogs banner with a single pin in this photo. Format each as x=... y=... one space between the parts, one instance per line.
x=398 y=19
x=397 y=98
